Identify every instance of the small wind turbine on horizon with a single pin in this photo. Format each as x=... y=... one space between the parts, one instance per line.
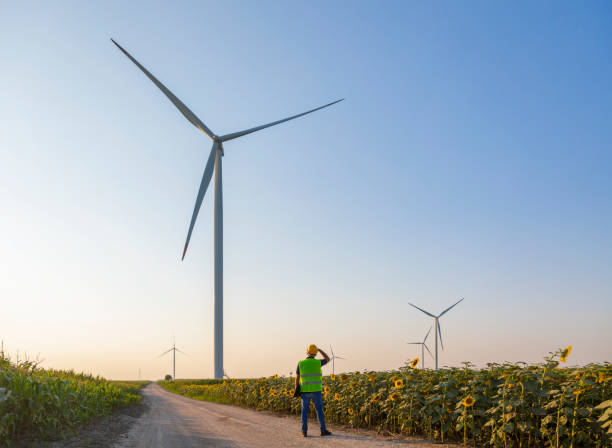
x=333 y=359
x=423 y=347
x=213 y=164
x=436 y=326
x=173 y=350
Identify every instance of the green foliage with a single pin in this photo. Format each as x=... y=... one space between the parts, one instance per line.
x=504 y=405
x=48 y=404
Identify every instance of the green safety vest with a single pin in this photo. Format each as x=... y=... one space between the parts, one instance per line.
x=311 y=375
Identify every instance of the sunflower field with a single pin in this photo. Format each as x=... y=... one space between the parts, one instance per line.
x=503 y=405
x=38 y=403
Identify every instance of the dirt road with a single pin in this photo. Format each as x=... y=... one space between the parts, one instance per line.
x=173 y=421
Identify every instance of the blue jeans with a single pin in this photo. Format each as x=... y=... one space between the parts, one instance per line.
x=318 y=403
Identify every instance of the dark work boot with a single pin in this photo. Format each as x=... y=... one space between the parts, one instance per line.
x=325 y=432
x=304 y=434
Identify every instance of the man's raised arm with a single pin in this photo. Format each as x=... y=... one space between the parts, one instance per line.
x=324 y=355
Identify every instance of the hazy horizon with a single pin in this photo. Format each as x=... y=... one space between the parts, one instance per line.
x=471 y=158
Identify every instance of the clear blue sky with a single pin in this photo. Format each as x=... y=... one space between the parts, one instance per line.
x=471 y=158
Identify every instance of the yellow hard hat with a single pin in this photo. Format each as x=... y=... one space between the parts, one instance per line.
x=312 y=349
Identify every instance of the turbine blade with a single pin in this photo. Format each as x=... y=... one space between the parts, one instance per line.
x=187 y=113
x=167 y=351
x=208 y=172
x=332 y=350
x=180 y=351
x=337 y=357
x=448 y=309
x=428 y=331
x=415 y=343
x=429 y=314
x=440 y=333
x=259 y=128
x=427 y=348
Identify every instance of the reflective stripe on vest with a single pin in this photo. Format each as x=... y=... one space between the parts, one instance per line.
x=311 y=375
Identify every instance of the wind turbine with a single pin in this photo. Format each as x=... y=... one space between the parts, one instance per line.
x=173 y=350
x=333 y=358
x=213 y=164
x=423 y=347
x=436 y=326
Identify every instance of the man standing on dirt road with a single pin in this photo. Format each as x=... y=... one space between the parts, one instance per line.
x=309 y=376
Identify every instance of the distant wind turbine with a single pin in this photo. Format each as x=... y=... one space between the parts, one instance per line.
x=213 y=164
x=436 y=325
x=333 y=358
x=173 y=350
x=423 y=347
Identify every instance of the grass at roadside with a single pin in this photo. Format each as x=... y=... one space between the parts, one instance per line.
x=179 y=387
x=507 y=405
x=50 y=404
x=131 y=387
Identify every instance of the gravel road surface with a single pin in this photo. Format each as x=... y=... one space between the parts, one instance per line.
x=174 y=421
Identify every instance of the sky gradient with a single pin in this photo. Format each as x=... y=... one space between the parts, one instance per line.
x=471 y=158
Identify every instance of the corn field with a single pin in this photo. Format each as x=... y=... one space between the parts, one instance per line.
x=503 y=405
x=47 y=404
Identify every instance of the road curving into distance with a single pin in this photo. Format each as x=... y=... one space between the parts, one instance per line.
x=174 y=421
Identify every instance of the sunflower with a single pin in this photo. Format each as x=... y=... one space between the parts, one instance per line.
x=414 y=363
x=376 y=398
x=343 y=377
x=565 y=353
x=275 y=376
x=327 y=389
x=601 y=377
x=372 y=378
x=332 y=377
x=350 y=411
x=399 y=383
x=468 y=401
x=394 y=396
x=354 y=385
x=336 y=396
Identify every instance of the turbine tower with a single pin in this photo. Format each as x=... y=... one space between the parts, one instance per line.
x=213 y=164
x=436 y=326
x=423 y=347
x=333 y=358
x=173 y=350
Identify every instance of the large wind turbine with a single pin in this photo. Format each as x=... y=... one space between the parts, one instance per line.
x=213 y=164
x=423 y=347
x=436 y=325
x=173 y=350
x=333 y=358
